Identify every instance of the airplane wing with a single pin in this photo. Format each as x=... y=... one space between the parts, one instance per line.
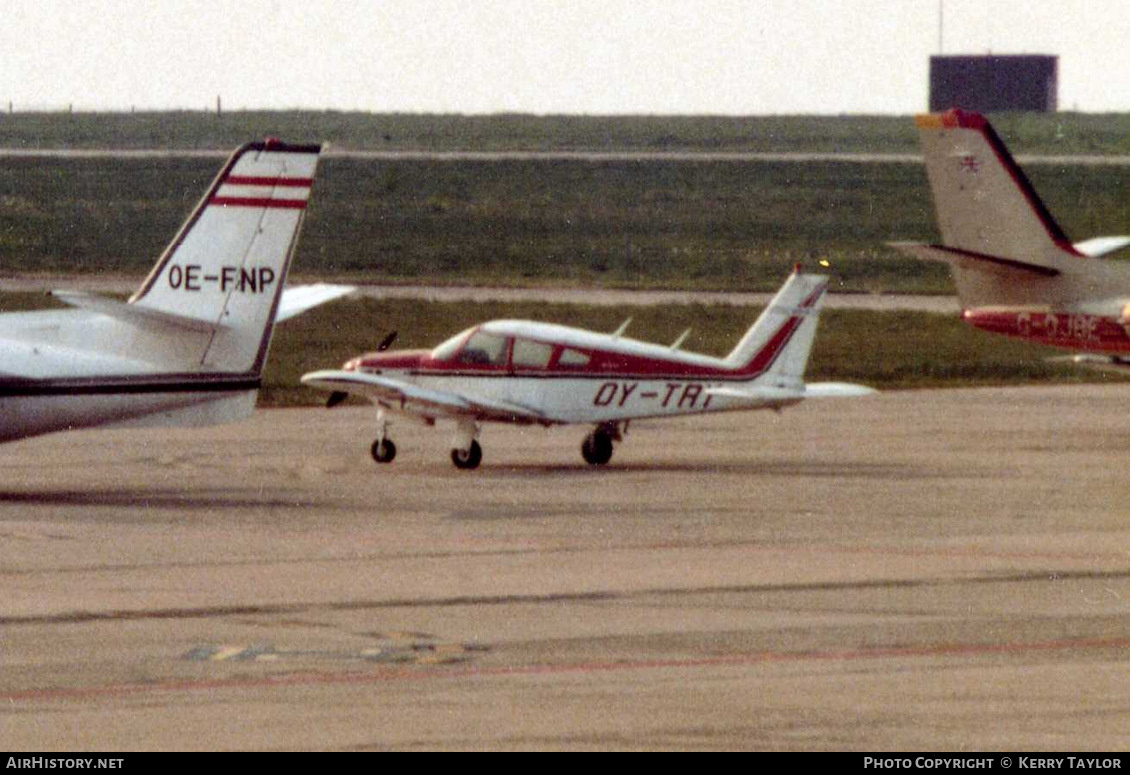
x=398 y=395
x=299 y=298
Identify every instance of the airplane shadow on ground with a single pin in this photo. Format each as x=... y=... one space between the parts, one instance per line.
x=207 y=500
x=798 y=468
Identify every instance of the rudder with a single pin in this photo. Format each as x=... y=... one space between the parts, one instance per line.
x=228 y=263
x=780 y=341
x=985 y=204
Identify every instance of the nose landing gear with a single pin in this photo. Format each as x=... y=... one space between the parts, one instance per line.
x=383 y=450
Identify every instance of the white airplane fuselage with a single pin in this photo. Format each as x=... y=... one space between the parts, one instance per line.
x=623 y=379
x=532 y=373
x=72 y=368
x=188 y=348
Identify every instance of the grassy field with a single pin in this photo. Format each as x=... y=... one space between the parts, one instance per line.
x=670 y=224
x=1058 y=133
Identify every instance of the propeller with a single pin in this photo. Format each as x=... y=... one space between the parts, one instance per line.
x=338 y=396
x=387 y=342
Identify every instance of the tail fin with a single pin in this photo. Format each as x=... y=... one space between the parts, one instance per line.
x=985 y=204
x=226 y=268
x=1001 y=242
x=779 y=343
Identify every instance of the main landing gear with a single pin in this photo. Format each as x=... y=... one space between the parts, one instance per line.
x=466 y=453
x=467 y=459
x=596 y=449
x=383 y=451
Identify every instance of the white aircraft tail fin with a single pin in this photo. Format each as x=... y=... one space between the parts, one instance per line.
x=985 y=204
x=226 y=268
x=779 y=343
x=1001 y=242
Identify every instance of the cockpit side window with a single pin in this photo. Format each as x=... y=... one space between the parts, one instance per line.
x=573 y=359
x=484 y=349
x=531 y=355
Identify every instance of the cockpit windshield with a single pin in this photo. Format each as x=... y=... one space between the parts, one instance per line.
x=474 y=347
x=446 y=351
x=484 y=349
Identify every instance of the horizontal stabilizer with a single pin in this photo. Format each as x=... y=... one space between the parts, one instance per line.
x=810 y=390
x=132 y=313
x=763 y=394
x=1097 y=247
x=299 y=298
x=837 y=390
x=965 y=259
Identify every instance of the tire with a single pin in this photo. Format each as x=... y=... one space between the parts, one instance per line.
x=383 y=451
x=596 y=449
x=467 y=460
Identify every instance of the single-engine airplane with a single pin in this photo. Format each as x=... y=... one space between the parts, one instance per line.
x=1015 y=270
x=543 y=374
x=188 y=347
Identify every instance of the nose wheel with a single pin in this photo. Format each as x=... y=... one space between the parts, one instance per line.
x=383 y=450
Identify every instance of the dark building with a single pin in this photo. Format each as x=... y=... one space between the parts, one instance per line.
x=992 y=83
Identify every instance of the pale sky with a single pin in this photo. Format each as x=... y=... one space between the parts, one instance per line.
x=733 y=57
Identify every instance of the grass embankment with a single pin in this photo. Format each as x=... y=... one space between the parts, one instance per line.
x=722 y=226
x=1060 y=133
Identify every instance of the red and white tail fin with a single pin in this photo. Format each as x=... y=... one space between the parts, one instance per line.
x=226 y=268
x=780 y=341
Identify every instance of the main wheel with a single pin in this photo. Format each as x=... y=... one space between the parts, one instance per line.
x=383 y=451
x=469 y=458
x=596 y=449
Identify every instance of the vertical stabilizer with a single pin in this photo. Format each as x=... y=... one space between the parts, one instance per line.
x=985 y=204
x=780 y=342
x=227 y=266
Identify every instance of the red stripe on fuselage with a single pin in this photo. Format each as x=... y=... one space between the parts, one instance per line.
x=603 y=364
x=1072 y=331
